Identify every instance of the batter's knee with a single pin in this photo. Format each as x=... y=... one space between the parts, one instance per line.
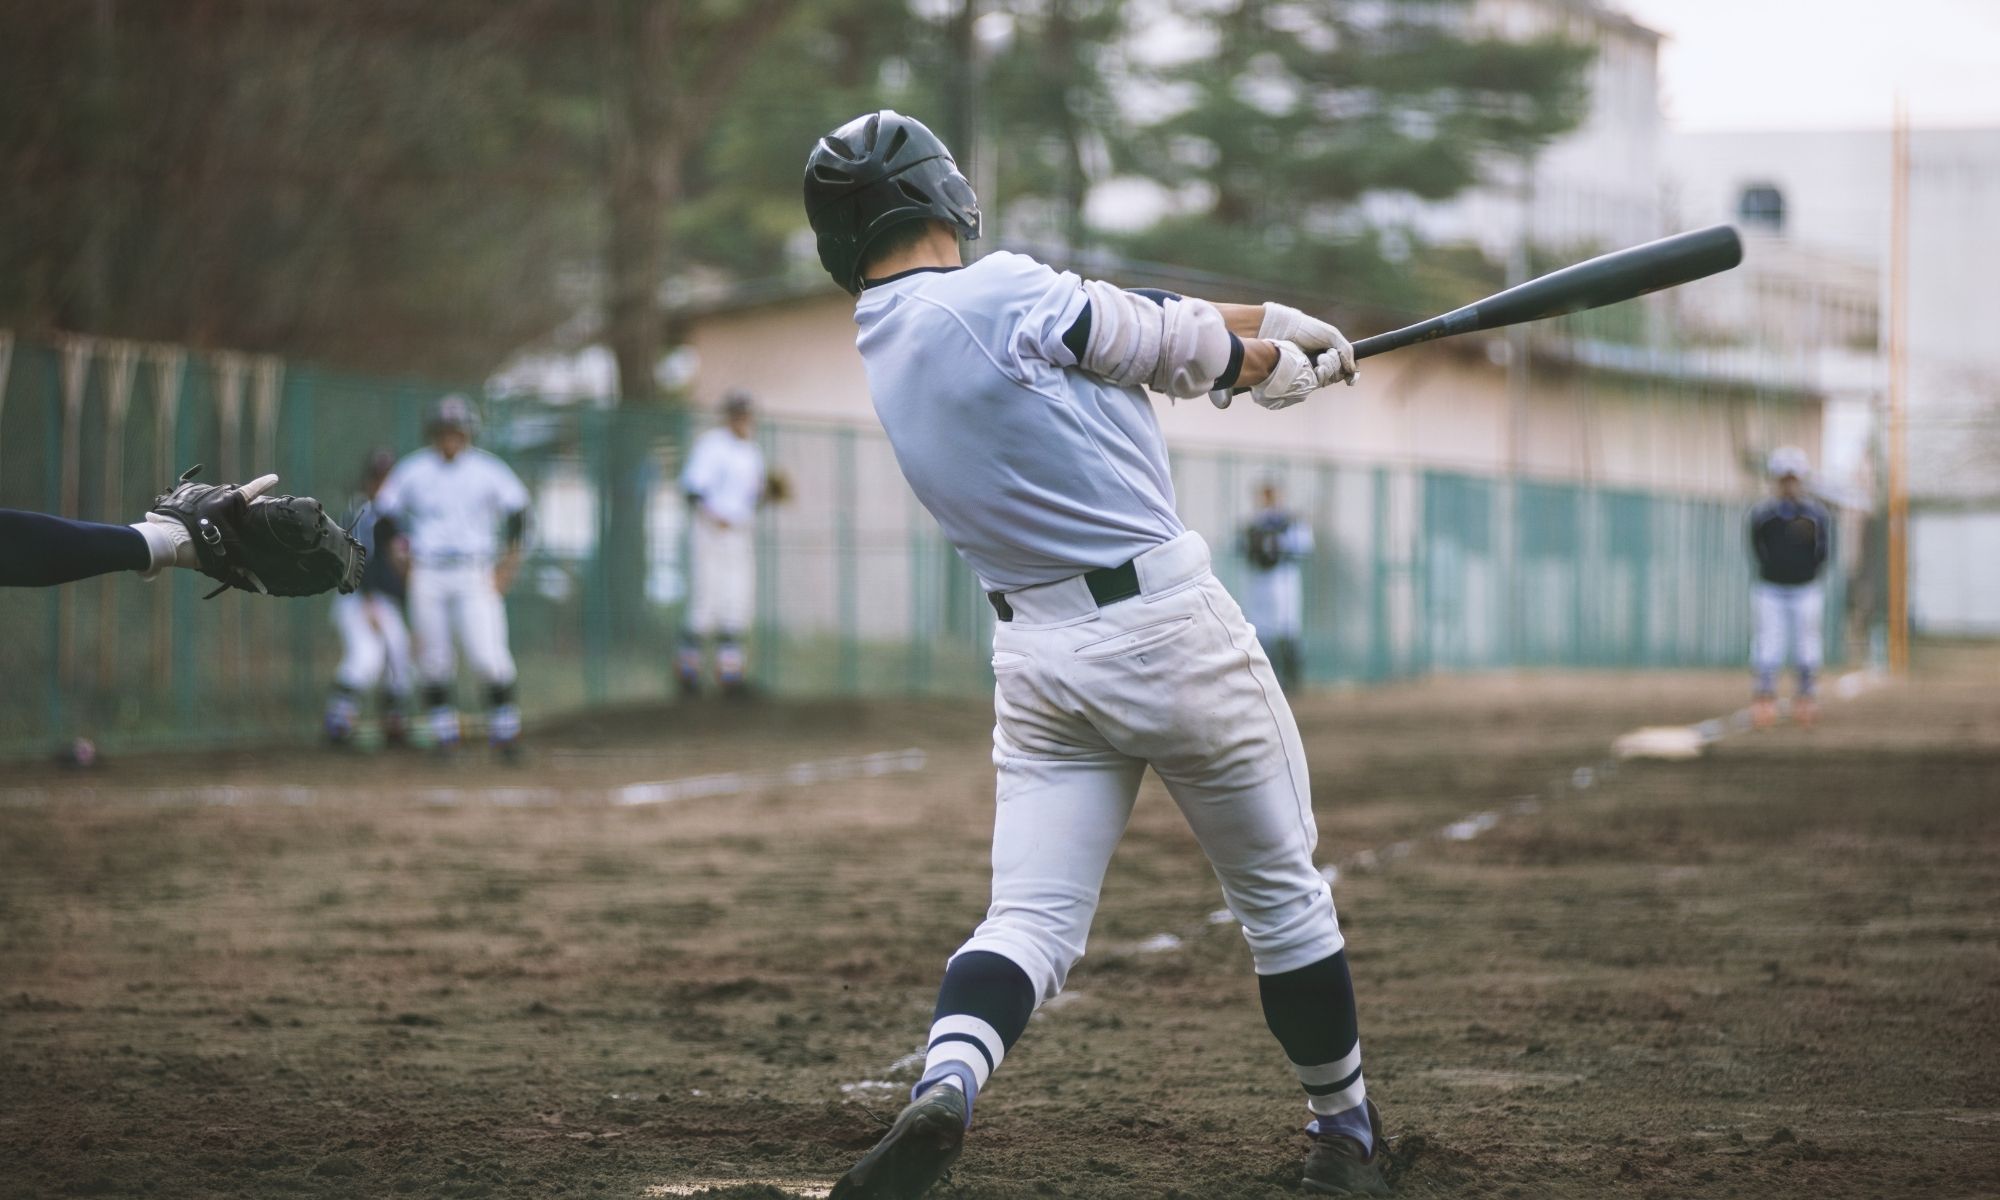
x=1044 y=950
x=1289 y=930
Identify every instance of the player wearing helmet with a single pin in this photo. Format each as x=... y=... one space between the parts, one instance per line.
x=1014 y=399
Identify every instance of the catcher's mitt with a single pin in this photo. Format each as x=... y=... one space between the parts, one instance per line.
x=272 y=545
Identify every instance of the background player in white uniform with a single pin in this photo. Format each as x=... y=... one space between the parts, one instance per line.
x=1011 y=396
x=375 y=644
x=464 y=512
x=725 y=482
x=1275 y=542
x=1790 y=534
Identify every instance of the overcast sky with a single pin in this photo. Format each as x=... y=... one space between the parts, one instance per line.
x=1794 y=64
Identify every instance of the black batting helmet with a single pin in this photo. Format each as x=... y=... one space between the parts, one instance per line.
x=876 y=172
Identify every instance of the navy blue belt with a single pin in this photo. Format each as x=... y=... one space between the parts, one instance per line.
x=1108 y=585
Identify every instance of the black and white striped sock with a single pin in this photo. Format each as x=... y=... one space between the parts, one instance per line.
x=1311 y=1011
x=982 y=1008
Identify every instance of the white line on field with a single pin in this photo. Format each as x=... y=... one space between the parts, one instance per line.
x=726 y=783
x=800 y=774
x=812 y=1189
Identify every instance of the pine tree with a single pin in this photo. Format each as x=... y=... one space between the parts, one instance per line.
x=1289 y=114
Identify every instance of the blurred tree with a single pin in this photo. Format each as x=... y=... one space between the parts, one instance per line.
x=428 y=188
x=1281 y=117
x=386 y=186
x=741 y=215
x=1051 y=91
x=670 y=67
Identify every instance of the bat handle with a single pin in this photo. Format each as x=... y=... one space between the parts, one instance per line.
x=1458 y=320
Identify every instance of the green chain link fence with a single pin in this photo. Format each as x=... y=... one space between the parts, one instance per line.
x=1416 y=570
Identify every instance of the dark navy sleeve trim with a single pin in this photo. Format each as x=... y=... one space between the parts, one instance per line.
x=1159 y=296
x=1076 y=339
x=1235 y=367
x=38 y=550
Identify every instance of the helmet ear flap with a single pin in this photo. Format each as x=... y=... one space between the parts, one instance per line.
x=964 y=202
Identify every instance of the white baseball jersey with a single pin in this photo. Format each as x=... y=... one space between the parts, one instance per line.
x=451 y=511
x=727 y=472
x=1038 y=472
x=1034 y=472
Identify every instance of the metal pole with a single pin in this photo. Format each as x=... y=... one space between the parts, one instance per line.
x=168 y=365
x=76 y=354
x=847 y=568
x=1899 y=385
x=6 y=367
x=124 y=365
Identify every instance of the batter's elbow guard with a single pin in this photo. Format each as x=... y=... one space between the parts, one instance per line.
x=1176 y=346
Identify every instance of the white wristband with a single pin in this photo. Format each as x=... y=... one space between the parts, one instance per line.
x=161 y=548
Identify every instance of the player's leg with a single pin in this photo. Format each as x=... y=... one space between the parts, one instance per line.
x=398 y=672
x=1248 y=799
x=483 y=616
x=699 y=620
x=1190 y=690
x=1767 y=651
x=430 y=626
x=361 y=662
x=736 y=571
x=1056 y=822
x=1061 y=802
x=1055 y=826
x=1808 y=604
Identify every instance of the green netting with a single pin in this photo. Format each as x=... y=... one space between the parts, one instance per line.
x=1415 y=570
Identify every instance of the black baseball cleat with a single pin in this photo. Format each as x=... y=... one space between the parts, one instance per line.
x=923 y=1142
x=1336 y=1166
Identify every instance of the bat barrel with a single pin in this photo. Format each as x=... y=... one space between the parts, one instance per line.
x=1606 y=279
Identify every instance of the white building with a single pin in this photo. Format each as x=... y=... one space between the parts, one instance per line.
x=1826 y=196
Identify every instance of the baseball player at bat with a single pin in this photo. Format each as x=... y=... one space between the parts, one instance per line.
x=1015 y=399
x=464 y=513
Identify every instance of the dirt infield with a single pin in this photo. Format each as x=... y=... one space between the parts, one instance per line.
x=1771 y=972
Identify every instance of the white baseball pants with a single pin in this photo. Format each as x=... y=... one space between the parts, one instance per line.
x=1085 y=700
x=725 y=579
x=460 y=598
x=1786 y=621
x=375 y=644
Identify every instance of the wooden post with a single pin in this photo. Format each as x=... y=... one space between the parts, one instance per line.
x=1899 y=369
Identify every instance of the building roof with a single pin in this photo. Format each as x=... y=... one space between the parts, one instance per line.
x=1610 y=19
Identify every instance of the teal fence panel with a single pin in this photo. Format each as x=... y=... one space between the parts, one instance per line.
x=1413 y=570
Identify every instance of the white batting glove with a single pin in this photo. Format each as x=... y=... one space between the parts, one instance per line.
x=169 y=541
x=1283 y=323
x=1291 y=380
